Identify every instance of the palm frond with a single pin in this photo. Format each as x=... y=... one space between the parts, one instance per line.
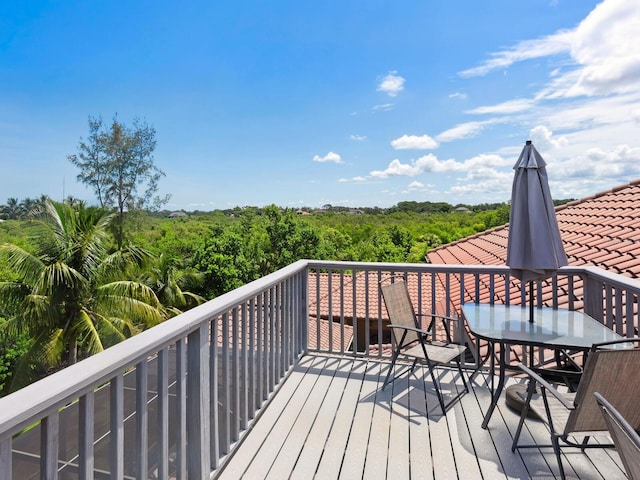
x=58 y=275
x=23 y=263
x=85 y=328
x=112 y=330
x=12 y=294
x=140 y=312
x=130 y=289
x=44 y=353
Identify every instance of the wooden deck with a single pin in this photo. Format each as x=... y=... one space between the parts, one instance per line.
x=330 y=420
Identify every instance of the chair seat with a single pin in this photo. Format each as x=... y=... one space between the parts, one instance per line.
x=436 y=353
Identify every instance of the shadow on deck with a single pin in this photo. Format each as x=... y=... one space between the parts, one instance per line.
x=331 y=420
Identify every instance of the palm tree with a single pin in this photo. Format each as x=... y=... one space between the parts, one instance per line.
x=170 y=284
x=13 y=208
x=73 y=297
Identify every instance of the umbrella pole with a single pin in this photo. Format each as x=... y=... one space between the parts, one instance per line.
x=531 y=301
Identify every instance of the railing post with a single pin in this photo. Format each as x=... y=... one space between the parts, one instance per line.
x=593 y=298
x=198 y=403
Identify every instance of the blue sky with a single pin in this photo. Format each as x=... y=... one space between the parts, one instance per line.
x=338 y=102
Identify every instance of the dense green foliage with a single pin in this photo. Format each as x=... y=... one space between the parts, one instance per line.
x=68 y=293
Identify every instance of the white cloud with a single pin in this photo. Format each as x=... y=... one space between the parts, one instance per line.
x=414 y=142
x=617 y=164
x=511 y=106
x=559 y=42
x=602 y=49
x=384 y=107
x=463 y=130
x=358 y=179
x=357 y=138
x=430 y=163
x=391 y=84
x=460 y=95
x=330 y=157
x=606 y=46
x=415 y=185
x=544 y=140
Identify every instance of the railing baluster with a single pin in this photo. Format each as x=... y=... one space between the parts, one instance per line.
x=279 y=336
x=225 y=391
x=116 y=422
x=265 y=365
x=181 y=407
x=629 y=316
x=163 y=413
x=49 y=427
x=6 y=464
x=214 y=378
x=353 y=319
x=198 y=403
x=142 y=422
x=273 y=339
x=235 y=377
x=318 y=296
x=330 y=308
x=252 y=383
x=86 y=433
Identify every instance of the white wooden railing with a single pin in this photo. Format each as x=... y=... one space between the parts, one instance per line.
x=201 y=379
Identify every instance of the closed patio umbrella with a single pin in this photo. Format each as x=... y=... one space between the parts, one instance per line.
x=534 y=249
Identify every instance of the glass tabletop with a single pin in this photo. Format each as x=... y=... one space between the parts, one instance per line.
x=554 y=327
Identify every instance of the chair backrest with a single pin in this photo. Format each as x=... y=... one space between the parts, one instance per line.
x=400 y=309
x=613 y=373
x=625 y=438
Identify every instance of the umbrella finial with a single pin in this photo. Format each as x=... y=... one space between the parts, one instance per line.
x=528 y=142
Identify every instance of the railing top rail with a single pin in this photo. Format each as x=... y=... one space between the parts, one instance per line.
x=40 y=398
x=584 y=271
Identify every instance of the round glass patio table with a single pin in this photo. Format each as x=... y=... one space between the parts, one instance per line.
x=556 y=329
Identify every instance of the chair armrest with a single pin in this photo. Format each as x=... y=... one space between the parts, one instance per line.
x=548 y=387
x=445 y=322
x=612 y=343
x=412 y=329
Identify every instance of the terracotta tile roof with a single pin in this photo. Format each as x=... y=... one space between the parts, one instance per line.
x=600 y=230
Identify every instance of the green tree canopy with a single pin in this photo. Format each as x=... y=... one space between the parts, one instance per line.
x=116 y=161
x=71 y=296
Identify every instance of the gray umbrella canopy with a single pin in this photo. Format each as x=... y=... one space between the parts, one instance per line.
x=534 y=250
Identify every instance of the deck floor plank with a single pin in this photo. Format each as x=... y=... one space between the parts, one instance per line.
x=398 y=449
x=494 y=461
x=356 y=452
x=336 y=445
x=330 y=419
x=421 y=453
x=317 y=442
